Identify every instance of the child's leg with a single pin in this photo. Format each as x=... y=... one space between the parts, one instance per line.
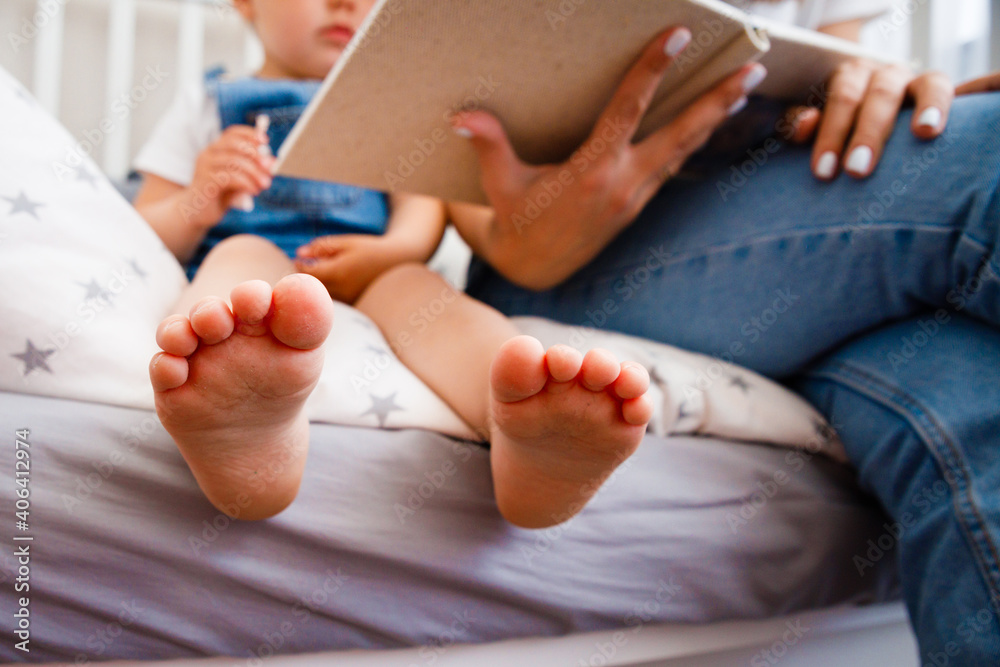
x=233 y=261
x=559 y=423
x=233 y=377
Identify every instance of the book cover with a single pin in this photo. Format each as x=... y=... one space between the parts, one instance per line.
x=546 y=68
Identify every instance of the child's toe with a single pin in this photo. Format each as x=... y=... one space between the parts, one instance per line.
x=302 y=314
x=518 y=370
x=212 y=320
x=638 y=411
x=632 y=382
x=167 y=371
x=563 y=362
x=600 y=368
x=251 y=303
x=175 y=336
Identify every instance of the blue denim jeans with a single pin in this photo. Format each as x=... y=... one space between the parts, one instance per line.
x=879 y=300
x=293 y=211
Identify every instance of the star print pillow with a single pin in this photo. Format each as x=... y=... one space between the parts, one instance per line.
x=85 y=280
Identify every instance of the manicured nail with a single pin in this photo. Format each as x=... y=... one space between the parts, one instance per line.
x=737 y=106
x=931 y=117
x=753 y=78
x=677 y=42
x=827 y=165
x=859 y=161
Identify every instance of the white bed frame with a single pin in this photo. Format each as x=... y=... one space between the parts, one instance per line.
x=50 y=39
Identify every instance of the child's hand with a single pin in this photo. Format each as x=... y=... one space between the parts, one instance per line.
x=231 y=167
x=347 y=263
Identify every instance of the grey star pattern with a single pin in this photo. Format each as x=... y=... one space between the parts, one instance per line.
x=21 y=204
x=24 y=95
x=682 y=412
x=738 y=381
x=138 y=269
x=381 y=407
x=95 y=291
x=34 y=358
x=380 y=351
x=364 y=322
x=84 y=174
x=656 y=378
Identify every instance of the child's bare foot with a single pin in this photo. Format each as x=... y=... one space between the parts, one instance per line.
x=230 y=387
x=561 y=424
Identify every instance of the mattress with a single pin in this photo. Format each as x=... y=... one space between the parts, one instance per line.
x=395 y=542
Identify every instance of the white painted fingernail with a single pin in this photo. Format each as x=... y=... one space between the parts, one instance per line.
x=677 y=42
x=243 y=203
x=827 y=165
x=754 y=77
x=931 y=117
x=463 y=132
x=737 y=106
x=859 y=161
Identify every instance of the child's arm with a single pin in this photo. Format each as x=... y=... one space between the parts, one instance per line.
x=347 y=263
x=229 y=168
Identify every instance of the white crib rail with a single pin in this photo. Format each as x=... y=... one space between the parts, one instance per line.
x=932 y=41
x=186 y=65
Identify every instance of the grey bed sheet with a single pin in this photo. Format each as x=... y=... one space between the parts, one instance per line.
x=395 y=541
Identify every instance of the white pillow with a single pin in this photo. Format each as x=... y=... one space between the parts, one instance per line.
x=85 y=280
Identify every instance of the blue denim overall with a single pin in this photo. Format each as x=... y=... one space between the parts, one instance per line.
x=293 y=211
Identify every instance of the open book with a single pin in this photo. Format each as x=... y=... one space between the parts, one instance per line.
x=546 y=68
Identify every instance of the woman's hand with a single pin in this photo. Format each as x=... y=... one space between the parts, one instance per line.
x=551 y=220
x=863 y=99
x=347 y=263
x=985 y=84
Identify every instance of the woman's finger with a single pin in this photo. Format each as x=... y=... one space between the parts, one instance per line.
x=985 y=84
x=800 y=124
x=665 y=151
x=933 y=94
x=876 y=119
x=847 y=92
x=502 y=172
x=631 y=100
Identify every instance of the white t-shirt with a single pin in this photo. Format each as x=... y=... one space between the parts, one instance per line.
x=192 y=121
x=814 y=13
